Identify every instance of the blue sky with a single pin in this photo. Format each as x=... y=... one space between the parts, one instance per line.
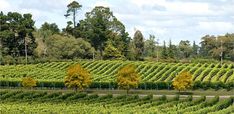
x=166 y=19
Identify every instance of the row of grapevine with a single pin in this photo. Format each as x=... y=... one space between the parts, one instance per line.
x=73 y=102
x=107 y=70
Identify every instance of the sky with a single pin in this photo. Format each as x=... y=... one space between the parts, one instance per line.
x=174 y=20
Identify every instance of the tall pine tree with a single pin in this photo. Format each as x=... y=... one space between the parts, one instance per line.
x=171 y=53
x=164 y=51
x=138 y=41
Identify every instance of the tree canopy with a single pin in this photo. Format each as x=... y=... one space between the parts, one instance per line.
x=16 y=31
x=99 y=35
x=100 y=26
x=68 y=47
x=128 y=78
x=182 y=81
x=77 y=77
x=138 y=45
x=28 y=82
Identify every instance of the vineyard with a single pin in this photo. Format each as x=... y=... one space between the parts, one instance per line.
x=73 y=102
x=106 y=71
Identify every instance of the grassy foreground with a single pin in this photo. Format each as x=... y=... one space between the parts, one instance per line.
x=45 y=102
x=142 y=92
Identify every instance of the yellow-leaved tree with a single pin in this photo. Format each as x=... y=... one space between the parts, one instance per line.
x=128 y=77
x=77 y=77
x=28 y=82
x=182 y=81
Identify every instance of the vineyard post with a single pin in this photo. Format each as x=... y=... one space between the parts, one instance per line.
x=100 y=86
x=93 y=55
x=168 y=86
x=145 y=85
x=7 y=83
x=157 y=86
x=42 y=85
x=53 y=85
x=151 y=86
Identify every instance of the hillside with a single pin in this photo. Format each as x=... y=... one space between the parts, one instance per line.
x=105 y=71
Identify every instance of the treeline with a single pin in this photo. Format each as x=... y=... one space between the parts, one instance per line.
x=100 y=35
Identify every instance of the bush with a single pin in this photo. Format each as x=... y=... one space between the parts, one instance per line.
x=8 y=60
x=77 y=77
x=128 y=78
x=29 y=82
x=182 y=81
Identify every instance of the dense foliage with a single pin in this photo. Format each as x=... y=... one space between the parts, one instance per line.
x=28 y=82
x=16 y=38
x=127 y=77
x=77 y=77
x=65 y=47
x=183 y=81
x=100 y=35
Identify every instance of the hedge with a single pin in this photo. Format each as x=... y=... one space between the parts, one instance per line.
x=113 y=85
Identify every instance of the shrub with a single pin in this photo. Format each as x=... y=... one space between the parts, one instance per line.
x=77 y=77
x=29 y=82
x=182 y=81
x=128 y=77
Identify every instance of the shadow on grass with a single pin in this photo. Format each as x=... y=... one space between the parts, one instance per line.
x=184 y=93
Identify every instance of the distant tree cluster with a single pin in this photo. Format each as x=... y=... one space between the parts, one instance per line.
x=16 y=38
x=100 y=35
x=217 y=47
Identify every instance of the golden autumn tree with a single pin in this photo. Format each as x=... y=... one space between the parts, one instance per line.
x=128 y=78
x=182 y=81
x=77 y=77
x=28 y=82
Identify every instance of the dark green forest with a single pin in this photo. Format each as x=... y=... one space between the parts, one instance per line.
x=100 y=35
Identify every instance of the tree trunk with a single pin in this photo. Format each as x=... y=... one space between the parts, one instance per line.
x=25 y=50
x=74 y=19
x=74 y=22
x=101 y=50
x=75 y=89
x=127 y=91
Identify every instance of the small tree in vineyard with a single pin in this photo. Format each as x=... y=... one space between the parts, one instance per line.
x=28 y=82
x=182 y=81
x=128 y=78
x=77 y=77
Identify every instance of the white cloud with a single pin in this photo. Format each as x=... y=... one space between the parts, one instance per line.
x=216 y=26
x=102 y=3
x=166 y=19
x=4 y=5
